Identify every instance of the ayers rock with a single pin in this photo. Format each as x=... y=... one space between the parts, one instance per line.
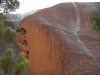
x=60 y=40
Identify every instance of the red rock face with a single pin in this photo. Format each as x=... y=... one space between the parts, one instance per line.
x=60 y=41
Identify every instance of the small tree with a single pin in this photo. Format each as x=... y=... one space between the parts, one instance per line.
x=94 y=18
x=11 y=67
x=6 y=62
x=6 y=34
x=21 y=64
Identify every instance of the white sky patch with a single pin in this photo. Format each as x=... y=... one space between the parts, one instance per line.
x=29 y=5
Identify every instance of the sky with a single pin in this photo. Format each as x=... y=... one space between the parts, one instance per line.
x=29 y=5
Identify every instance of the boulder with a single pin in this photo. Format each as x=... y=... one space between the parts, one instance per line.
x=60 y=40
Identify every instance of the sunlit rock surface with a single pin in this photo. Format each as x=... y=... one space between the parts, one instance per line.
x=60 y=40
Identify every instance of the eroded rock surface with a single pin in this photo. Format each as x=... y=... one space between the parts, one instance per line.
x=60 y=40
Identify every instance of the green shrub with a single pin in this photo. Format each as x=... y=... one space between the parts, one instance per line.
x=11 y=67
x=94 y=18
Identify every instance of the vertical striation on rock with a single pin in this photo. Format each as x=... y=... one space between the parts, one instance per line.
x=60 y=41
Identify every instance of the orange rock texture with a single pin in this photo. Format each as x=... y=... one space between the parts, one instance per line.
x=60 y=40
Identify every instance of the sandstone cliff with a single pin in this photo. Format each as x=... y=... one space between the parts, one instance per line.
x=60 y=41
